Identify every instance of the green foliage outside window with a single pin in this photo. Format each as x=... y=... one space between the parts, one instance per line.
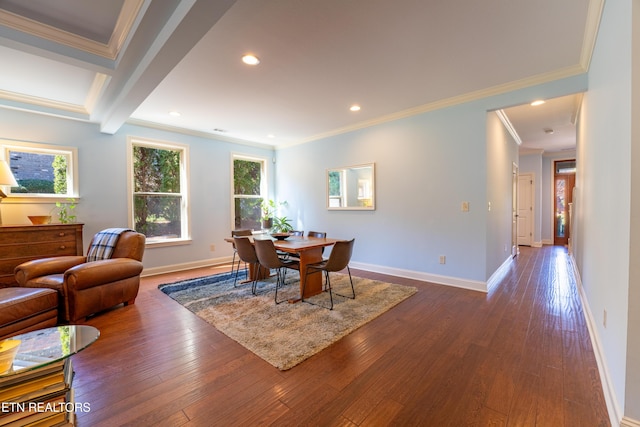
x=59 y=175
x=335 y=189
x=43 y=186
x=157 y=198
x=247 y=176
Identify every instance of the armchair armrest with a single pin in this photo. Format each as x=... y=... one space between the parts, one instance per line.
x=98 y=273
x=46 y=266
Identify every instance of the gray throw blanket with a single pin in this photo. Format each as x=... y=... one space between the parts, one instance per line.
x=103 y=243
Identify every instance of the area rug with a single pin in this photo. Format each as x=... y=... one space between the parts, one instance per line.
x=285 y=334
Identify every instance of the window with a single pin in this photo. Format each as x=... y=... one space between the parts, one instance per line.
x=336 y=188
x=41 y=170
x=249 y=189
x=158 y=188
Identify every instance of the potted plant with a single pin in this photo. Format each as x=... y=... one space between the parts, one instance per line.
x=269 y=208
x=65 y=209
x=281 y=225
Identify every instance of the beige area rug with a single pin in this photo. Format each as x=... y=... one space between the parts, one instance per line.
x=286 y=334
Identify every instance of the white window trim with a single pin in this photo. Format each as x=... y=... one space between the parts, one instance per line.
x=185 y=173
x=72 y=170
x=264 y=187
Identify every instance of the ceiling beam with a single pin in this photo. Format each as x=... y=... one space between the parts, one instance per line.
x=167 y=32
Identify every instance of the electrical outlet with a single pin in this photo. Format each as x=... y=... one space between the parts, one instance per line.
x=443 y=259
x=212 y=248
x=465 y=206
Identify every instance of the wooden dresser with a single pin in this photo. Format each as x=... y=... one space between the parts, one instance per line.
x=20 y=243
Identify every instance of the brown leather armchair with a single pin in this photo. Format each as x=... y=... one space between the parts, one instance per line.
x=85 y=288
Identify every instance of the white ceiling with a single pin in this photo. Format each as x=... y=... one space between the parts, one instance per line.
x=113 y=61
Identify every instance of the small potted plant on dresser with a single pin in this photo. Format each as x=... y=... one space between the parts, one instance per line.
x=65 y=211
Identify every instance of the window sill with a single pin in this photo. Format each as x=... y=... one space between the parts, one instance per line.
x=161 y=243
x=13 y=198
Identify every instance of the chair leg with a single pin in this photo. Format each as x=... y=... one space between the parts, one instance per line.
x=328 y=287
x=281 y=276
x=353 y=291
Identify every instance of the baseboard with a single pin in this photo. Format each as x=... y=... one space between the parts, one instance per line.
x=499 y=273
x=628 y=422
x=153 y=271
x=537 y=244
x=607 y=385
x=425 y=277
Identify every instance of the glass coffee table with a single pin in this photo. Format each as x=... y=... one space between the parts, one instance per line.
x=46 y=346
x=36 y=382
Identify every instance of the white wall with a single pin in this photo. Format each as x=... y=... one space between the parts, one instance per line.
x=426 y=166
x=103 y=181
x=502 y=154
x=602 y=236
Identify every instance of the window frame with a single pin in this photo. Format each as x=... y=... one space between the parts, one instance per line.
x=71 y=153
x=185 y=209
x=264 y=187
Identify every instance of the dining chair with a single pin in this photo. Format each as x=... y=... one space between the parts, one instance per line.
x=338 y=260
x=247 y=254
x=296 y=233
x=237 y=233
x=269 y=259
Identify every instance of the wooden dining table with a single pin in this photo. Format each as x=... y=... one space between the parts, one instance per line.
x=309 y=251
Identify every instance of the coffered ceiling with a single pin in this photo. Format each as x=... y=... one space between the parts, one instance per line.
x=113 y=61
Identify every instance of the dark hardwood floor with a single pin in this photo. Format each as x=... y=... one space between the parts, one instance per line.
x=518 y=356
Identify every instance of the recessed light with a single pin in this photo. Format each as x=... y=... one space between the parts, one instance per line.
x=175 y=113
x=250 y=59
x=537 y=102
x=354 y=108
x=271 y=135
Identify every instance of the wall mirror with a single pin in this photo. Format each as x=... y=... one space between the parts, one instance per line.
x=351 y=188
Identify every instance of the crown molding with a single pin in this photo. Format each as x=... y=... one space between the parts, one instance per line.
x=200 y=134
x=455 y=100
x=123 y=27
x=42 y=102
x=594 y=15
x=507 y=124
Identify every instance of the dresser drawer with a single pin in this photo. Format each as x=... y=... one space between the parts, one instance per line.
x=39 y=250
x=21 y=243
x=35 y=236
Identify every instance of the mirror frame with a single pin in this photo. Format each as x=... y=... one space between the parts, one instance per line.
x=364 y=190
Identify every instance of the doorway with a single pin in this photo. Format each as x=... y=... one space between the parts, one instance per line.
x=564 y=181
x=526 y=191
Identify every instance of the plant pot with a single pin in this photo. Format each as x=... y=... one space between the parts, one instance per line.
x=267 y=223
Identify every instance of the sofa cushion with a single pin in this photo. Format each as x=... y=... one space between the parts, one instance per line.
x=17 y=304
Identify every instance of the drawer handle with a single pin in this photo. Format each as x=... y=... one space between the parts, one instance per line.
x=61 y=234
x=63 y=247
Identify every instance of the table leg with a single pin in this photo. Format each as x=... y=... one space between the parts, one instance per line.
x=314 y=280
x=257 y=272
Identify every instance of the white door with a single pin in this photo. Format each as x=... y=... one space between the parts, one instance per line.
x=525 y=209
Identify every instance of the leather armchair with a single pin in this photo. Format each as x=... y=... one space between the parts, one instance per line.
x=85 y=288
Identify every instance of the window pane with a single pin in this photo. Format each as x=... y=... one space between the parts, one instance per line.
x=158 y=215
x=246 y=177
x=156 y=170
x=247 y=213
x=38 y=173
x=335 y=186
